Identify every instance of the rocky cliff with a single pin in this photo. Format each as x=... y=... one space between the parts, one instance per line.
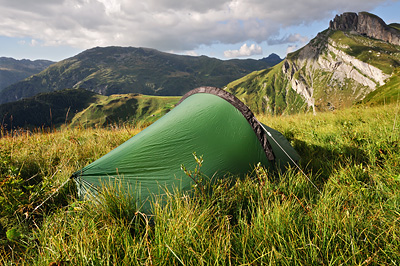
x=366 y=24
x=328 y=77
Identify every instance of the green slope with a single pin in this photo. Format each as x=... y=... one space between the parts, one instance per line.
x=124 y=108
x=390 y=92
x=78 y=107
x=268 y=91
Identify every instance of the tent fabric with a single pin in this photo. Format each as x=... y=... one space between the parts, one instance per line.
x=203 y=123
x=257 y=128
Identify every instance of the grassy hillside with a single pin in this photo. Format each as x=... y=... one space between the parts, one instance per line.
x=352 y=156
x=80 y=107
x=124 y=108
x=268 y=91
x=390 y=92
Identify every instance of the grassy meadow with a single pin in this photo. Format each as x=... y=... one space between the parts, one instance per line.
x=352 y=156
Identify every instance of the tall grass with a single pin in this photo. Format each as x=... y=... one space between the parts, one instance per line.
x=352 y=156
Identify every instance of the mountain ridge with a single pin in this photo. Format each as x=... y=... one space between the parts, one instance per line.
x=113 y=70
x=13 y=70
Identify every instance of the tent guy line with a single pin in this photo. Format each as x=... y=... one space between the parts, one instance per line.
x=49 y=197
x=291 y=159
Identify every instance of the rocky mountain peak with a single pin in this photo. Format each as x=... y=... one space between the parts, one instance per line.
x=345 y=22
x=366 y=24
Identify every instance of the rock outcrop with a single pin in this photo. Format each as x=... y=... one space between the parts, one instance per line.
x=345 y=22
x=365 y=24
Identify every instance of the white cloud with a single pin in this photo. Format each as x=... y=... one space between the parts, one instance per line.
x=34 y=42
x=111 y=6
x=244 y=51
x=292 y=38
x=191 y=53
x=291 y=48
x=165 y=24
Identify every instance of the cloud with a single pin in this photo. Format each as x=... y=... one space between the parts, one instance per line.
x=291 y=48
x=165 y=24
x=191 y=53
x=292 y=38
x=31 y=43
x=244 y=51
x=34 y=42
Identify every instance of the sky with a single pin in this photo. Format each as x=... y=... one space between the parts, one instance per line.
x=224 y=29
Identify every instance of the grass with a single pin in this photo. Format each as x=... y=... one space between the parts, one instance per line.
x=389 y=92
x=352 y=156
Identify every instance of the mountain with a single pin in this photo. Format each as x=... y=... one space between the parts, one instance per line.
x=12 y=70
x=272 y=59
x=79 y=107
x=357 y=55
x=113 y=70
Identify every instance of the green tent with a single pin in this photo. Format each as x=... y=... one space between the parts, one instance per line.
x=207 y=121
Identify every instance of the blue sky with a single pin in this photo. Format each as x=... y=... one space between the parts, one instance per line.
x=58 y=29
